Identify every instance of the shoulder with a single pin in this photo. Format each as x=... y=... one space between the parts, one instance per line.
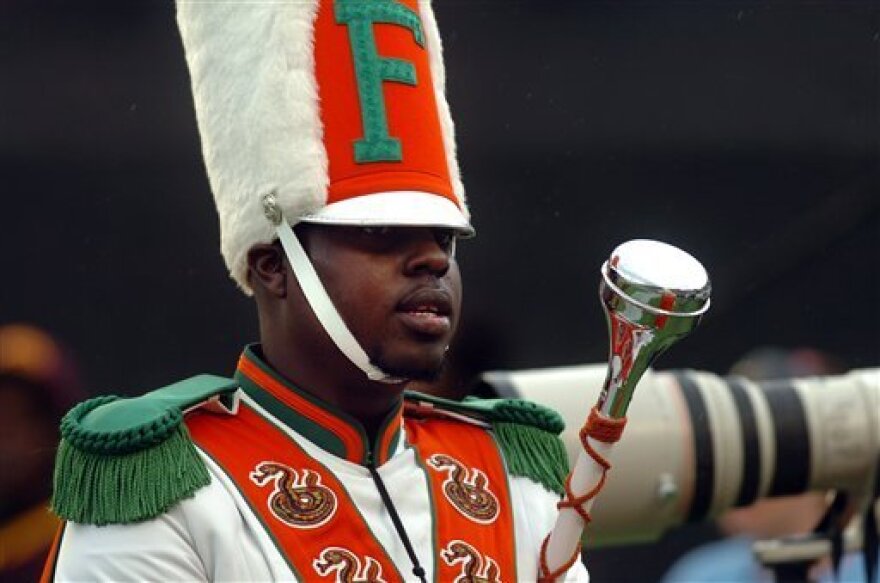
x=526 y=432
x=485 y=411
x=197 y=539
x=128 y=460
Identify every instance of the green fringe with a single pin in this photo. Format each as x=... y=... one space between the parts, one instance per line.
x=100 y=489
x=533 y=453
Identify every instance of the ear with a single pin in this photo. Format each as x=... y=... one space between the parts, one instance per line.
x=267 y=270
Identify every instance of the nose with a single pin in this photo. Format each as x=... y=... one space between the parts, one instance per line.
x=427 y=255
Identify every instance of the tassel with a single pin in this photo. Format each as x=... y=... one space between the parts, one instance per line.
x=533 y=453
x=100 y=489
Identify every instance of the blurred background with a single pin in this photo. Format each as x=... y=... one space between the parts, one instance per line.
x=744 y=132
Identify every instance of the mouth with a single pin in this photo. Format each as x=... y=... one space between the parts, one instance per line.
x=427 y=311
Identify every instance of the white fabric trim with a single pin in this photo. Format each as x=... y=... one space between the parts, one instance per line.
x=398 y=208
x=323 y=307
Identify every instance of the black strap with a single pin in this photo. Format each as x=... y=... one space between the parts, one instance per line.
x=418 y=571
x=798 y=572
x=871 y=542
x=871 y=546
x=831 y=527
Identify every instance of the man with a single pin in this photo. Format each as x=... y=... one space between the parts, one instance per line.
x=330 y=151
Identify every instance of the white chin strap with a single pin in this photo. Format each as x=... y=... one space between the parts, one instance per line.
x=323 y=306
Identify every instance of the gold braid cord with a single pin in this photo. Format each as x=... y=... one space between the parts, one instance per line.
x=602 y=429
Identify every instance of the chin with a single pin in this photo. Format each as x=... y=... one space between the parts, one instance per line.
x=415 y=368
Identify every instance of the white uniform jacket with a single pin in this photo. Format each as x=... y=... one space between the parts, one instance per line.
x=292 y=496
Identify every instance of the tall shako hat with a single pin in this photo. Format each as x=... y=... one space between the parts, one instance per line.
x=324 y=111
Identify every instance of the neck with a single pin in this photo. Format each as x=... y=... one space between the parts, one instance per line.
x=329 y=376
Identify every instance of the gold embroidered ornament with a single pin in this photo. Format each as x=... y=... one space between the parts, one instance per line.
x=467 y=489
x=300 y=502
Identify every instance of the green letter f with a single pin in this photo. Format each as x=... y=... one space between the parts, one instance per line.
x=371 y=70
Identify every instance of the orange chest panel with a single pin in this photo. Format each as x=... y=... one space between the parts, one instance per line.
x=474 y=528
x=320 y=531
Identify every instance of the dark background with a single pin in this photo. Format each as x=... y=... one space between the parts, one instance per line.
x=743 y=132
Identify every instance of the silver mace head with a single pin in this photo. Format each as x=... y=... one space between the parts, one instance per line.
x=653 y=295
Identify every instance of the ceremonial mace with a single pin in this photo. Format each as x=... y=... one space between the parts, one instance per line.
x=653 y=295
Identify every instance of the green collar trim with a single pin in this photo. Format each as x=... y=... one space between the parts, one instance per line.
x=326 y=426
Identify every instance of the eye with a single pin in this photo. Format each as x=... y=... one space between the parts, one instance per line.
x=446 y=240
x=377 y=231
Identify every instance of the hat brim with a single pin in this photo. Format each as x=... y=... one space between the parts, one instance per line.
x=392 y=209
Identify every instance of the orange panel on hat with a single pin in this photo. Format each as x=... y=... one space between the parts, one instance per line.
x=410 y=110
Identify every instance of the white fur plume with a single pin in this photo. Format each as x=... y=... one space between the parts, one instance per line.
x=253 y=80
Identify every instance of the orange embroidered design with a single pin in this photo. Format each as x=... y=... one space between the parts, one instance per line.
x=348 y=566
x=467 y=489
x=298 y=502
x=475 y=568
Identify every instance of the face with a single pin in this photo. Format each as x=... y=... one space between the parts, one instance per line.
x=397 y=288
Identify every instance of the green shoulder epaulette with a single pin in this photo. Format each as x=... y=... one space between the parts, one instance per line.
x=526 y=432
x=127 y=460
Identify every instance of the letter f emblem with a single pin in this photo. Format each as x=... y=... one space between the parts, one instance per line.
x=372 y=70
